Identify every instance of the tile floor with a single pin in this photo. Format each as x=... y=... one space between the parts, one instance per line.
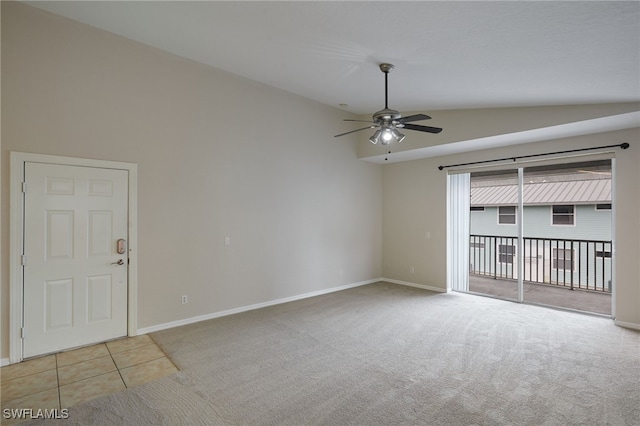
x=68 y=378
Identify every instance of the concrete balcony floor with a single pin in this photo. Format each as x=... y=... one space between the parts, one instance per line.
x=551 y=295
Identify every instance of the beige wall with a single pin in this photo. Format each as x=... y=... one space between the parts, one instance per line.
x=220 y=156
x=414 y=203
x=217 y=156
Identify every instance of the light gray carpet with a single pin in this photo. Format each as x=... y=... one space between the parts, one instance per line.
x=384 y=354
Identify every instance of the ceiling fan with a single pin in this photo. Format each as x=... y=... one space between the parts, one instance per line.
x=388 y=121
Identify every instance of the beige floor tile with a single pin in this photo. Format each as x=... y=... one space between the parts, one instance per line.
x=137 y=356
x=122 y=345
x=82 y=354
x=147 y=371
x=85 y=369
x=81 y=374
x=29 y=367
x=13 y=421
x=93 y=387
x=47 y=399
x=27 y=385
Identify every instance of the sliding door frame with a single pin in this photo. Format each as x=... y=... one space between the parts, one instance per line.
x=520 y=222
x=520 y=167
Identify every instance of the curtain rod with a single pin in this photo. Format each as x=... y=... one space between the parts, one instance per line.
x=622 y=145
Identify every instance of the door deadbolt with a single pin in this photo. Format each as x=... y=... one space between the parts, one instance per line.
x=121 y=246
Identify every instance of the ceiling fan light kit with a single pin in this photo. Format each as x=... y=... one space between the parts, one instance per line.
x=387 y=121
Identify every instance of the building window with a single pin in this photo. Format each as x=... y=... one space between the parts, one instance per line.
x=506 y=253
x=603 y=206
x=477 y=208
x=563 y=259
x=563 y=215
x=603 y=254
x=476 y=245
x=506 y=215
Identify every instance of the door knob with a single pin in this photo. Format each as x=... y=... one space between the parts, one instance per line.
x=119 y=262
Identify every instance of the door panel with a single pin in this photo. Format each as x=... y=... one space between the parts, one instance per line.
x=564 y=234
x=75 y=293
x=58 y=306
x=58 y=234
x=493 y=226
x=100 y=233
x=99 y=298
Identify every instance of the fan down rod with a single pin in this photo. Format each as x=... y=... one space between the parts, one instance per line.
x=386 y=69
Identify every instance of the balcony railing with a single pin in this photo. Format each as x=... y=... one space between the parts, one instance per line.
x=576 y=264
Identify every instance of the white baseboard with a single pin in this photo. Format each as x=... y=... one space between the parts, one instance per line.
x=4 y=361
x=422 y=286
x=213 y=315
x=624 y=324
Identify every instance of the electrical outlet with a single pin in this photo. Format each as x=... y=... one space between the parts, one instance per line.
x=412 y=269
x=185 y=299
x=227 y=241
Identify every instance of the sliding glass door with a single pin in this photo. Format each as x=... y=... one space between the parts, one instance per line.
x=541 y=235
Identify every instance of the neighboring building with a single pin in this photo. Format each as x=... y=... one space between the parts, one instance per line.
x=567 y=228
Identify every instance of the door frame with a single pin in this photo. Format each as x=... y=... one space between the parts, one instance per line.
x=16 y=239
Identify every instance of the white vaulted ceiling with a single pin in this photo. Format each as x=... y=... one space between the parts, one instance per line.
x=448 y=55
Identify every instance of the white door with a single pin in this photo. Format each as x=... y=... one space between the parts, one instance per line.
x=75 y=281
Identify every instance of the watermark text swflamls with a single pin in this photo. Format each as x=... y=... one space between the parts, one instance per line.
x=40 y=413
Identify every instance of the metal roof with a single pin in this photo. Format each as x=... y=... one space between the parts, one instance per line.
x=591 y=191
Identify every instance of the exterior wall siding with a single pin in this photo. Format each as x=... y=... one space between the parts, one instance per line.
x=590 y=224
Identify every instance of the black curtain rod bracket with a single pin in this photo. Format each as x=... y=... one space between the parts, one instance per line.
x=624 y=145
